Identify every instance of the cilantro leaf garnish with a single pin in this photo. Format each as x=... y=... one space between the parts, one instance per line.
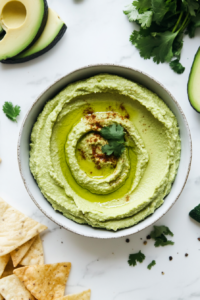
x=153 y=263
x=11 y=111
x=114 y=147
x=177 y=66
x=158 y=234
x=136 y=257
x=195 y=213
x=162 y=27
x=114 y=134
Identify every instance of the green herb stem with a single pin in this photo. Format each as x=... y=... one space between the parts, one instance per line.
x=185 y=23
x=177 y=23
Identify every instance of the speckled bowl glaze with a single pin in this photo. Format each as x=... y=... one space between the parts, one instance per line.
x=36 y=108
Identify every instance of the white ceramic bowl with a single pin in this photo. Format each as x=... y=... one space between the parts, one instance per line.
x=36 y=108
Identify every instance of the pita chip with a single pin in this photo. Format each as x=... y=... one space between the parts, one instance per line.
x=45 y=282
x=20 y=252
x=12 y=288
x=81 y=296
x=15 y=228
x=1 y=297
x=3 y=262
x=35 y=255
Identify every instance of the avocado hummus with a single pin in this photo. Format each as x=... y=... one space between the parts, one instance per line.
x=85 y=184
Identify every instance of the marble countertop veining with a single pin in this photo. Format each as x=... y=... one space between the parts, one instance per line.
x=98 y=32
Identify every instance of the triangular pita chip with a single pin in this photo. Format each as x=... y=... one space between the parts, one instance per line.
x=3 y=262
x=81 y=296
x=46 y=282
x=12 y=288
x=9 y=269
x=15 y=228
x=1 y=297
x=20 y=252
x=35 y=255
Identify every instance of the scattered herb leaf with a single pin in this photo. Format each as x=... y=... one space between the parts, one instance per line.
x=133 y=258
x=177 y=66
x=158 y=234
x=114 y=147
x=11 y=111
x=195 y=213
x=153 y=263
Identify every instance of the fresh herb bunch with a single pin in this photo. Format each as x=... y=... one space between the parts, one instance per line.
x=114 y=134
x=11 y=111
x=162 y=26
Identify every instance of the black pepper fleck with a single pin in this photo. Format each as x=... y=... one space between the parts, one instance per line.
x=186 y=254
x=162 y=273
x=198 y=239
x=145 y=242
x=170 y=258
x=127 y=240
x=148 y=237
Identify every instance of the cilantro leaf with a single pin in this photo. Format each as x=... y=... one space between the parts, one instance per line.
x=145 y=19
x=142 y=5
x=159 y=9
x=131 y=12
x=114 y=147
x=177 y=66
x=158 y=234
x=195 y=213
x=195 y=23
x=11 y=111
x=192 y=6
x=162 y=241
x=158 y=230
x=113 y=132
x=153 y=263
x=158 y=46
x=133 y=258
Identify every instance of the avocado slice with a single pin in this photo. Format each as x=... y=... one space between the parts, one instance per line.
x=23 y=21
x=193 y=83
x=53 y=32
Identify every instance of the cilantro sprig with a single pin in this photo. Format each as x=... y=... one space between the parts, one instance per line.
x=114 y=134
x=162 y=26
x=11 y=111
x=159 y=235
x=136 y=257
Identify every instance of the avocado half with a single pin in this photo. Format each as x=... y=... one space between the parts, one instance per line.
x=193 y=83
x=23 y=21
x=52 y=33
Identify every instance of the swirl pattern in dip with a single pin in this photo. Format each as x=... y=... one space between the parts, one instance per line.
x=82 y=182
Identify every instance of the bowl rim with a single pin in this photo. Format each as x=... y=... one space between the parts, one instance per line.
x=96 y=229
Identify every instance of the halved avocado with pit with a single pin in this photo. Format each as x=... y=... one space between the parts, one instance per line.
x=23 y=21
x=194 y=83
x=52 y=33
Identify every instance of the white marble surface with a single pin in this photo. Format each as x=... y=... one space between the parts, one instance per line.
x=98 y=32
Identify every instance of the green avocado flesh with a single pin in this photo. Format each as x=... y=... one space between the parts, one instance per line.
x=47 y=39
x=193 y=83
x=23 y=22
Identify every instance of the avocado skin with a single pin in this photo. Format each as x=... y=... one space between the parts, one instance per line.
x=35 y=55
x=189 y=80
x=42 y=26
